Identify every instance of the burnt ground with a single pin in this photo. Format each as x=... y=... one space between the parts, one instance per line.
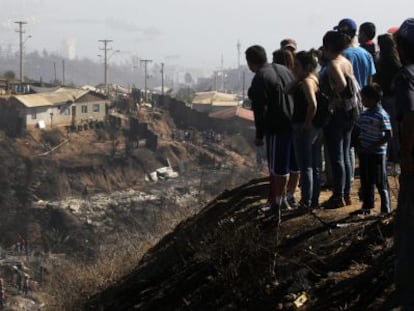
x=222 y=259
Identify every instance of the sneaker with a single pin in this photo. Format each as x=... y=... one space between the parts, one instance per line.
x=347 y=199
x=384 y=214
x=333 y=202
x=361 y=211
x=285 y=205
x=303 y=206
x=315 y=205
x=290 y=198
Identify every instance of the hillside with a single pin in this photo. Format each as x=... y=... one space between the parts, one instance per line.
x=87 y=209
x=222 y=258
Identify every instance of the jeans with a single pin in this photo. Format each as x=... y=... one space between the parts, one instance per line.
x=373 y=171
x=338 y=141
x=404 y=246
x=307 y=146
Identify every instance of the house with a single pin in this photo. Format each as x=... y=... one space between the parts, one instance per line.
x=214 y=101
x=62 y=107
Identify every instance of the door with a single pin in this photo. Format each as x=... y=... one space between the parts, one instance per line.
x=73 y=115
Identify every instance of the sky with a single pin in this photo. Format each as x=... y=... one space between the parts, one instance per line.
x=188 y=33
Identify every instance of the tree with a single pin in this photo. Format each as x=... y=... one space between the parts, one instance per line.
x=9 y=75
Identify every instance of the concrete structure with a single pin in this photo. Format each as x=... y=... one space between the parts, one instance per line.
x=65 y=106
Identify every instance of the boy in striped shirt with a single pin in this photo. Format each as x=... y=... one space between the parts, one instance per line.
x=374 y=133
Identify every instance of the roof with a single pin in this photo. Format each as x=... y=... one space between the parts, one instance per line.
x=58 y=97
x=40 y=89
x=232 y=112
x=213 y=97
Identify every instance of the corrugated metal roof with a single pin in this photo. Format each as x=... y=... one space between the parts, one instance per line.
x=232 y=112
x=58 y=97
x=213 y=97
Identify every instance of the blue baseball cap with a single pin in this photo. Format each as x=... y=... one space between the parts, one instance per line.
x=406 y=30
x=347 y=26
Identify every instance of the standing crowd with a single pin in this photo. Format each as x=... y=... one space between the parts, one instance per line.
x=355 y=100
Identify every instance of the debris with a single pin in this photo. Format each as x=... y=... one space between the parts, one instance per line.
x=301 y=300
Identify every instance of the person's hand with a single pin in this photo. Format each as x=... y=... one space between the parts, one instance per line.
x=258 y=142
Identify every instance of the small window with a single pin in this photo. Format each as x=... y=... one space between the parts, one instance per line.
x=66 y=111
x=84 y=109
x=96 y=107
x=34 y=114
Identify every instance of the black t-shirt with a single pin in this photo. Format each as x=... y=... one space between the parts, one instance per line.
x=265 y=93
x=301 y=104
x=386 y=73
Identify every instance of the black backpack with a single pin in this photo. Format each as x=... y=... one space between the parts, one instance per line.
x=324 y=110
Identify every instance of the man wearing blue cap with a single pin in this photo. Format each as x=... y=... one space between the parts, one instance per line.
x=361 y=60
x=404 y=227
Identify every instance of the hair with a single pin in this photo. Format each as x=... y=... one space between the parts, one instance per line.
x=308 y=60
x=406 y=47
x=256 y=55
x=368 y=29
x=388 y=50
x=335 y=41
x=284 y=57
x=372 y=91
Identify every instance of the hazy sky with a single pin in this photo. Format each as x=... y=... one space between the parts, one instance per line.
x=192 y=33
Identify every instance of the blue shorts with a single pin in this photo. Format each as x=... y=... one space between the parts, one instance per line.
x=279 y=148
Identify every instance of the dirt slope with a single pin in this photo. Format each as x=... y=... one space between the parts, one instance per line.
x=222 y=259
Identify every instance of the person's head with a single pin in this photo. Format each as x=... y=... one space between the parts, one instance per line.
x=289 y=44
x=284 y=57
x=255 y=57
x=388 y=49
x=366 y=32
x=405 y=41
x=371 y=95
x=305 y=63
x=334 y=42
x=347 y=26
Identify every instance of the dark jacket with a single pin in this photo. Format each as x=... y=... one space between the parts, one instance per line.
x=272 y=108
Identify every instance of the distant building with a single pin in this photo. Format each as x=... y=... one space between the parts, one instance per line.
x=214 y=101
x=64 y=106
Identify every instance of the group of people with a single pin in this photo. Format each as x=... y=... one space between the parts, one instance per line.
x=354 y=99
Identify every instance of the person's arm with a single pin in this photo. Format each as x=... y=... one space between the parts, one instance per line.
x=257 y=94
x=379 y=143
x=407 y=143
x=310 y=88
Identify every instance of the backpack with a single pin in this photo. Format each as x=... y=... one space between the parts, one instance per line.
x=351 y=97
x=324 y=110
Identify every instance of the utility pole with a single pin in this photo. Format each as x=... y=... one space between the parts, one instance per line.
x=244 y=82
x=63 y=72
x=105 y=49
x=162 y=79
x=238 y=54
x=145 y=61
x=54 y=70
x=21 y=32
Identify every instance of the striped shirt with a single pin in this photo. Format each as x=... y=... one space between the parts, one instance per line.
x=373 y=123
